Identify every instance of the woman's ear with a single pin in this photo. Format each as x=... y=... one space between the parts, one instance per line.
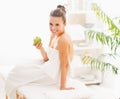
x=65 y=23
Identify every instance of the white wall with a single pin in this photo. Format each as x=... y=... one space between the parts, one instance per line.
x=111 y=7
x=20 y=22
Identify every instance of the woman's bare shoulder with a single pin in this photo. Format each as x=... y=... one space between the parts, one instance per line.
x=64 y=39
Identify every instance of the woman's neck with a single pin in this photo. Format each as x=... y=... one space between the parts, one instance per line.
x=60 y=34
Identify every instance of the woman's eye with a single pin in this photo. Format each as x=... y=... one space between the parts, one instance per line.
x=57 y=24
x=50 y=24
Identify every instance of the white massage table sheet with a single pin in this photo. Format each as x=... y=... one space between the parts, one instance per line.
x=53 y=92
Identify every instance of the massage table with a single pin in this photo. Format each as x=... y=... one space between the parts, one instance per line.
x=34 y=91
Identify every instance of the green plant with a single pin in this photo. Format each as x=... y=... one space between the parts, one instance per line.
x=112 y=41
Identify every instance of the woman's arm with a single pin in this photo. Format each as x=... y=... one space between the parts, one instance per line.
x=51 y=38
x=42 y=50
x=63 y=47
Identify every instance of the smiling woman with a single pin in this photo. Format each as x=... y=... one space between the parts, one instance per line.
x=56 y=59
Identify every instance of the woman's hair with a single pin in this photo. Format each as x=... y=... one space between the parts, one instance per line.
x=60 y=11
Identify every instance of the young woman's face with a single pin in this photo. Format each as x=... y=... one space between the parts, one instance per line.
x=56 y=25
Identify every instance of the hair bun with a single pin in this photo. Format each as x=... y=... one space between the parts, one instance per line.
x=62 y=8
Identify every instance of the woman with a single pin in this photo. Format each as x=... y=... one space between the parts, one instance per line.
x=57 y=59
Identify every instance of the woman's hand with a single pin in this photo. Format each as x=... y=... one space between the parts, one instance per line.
x=38 y=45
x=69 y=88
x=43 y=52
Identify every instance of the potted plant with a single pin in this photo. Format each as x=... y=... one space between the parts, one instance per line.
x=112 y=41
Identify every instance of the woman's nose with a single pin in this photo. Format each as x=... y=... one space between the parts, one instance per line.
x=53 y=27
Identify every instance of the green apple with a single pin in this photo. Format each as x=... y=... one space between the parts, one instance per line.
x=37 y=40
